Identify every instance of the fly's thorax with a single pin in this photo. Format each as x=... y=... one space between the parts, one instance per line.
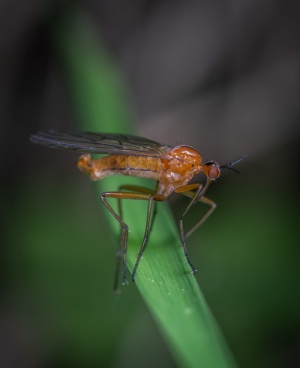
x=184 y=163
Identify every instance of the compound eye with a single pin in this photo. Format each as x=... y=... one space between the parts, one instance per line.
x=213 y=172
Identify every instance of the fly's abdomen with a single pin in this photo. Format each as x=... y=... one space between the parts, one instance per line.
x=147 y=167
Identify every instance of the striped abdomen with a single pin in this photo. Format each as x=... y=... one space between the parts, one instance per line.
x=146 y=167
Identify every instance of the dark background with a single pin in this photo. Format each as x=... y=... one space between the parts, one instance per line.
x=220 y=76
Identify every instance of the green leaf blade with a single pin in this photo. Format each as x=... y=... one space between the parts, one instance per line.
x=171 y=291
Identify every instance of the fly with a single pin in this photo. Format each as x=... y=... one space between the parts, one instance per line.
x=173 y=167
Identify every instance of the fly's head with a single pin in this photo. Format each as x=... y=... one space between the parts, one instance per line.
x=213 y=170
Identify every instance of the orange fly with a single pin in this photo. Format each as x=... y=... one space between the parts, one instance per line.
x=172 y=167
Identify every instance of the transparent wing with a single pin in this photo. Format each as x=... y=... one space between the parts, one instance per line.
x=100 y=143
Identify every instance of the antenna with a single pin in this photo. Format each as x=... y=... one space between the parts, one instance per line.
x=229 y=166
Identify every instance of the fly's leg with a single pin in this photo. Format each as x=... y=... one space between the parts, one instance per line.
x=154 y=213
x=119 y=249
x=136 y=188
x=145 y=239
x=149 y=219
x=212 y=205
x=195 y=196
x=122 y=251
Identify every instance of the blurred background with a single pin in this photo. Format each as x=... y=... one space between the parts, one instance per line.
x=220 y=76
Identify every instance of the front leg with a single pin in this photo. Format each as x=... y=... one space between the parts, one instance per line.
x=195 y=196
